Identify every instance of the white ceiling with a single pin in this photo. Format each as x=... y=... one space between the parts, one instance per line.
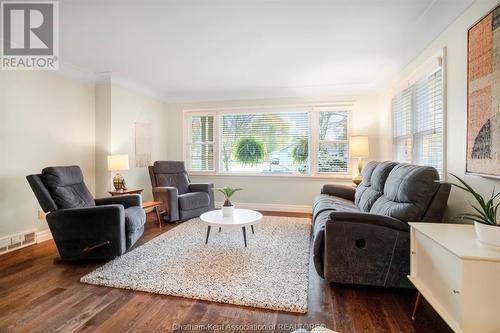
x=236 y=49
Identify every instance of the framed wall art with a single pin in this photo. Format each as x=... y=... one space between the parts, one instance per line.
x=483 y=96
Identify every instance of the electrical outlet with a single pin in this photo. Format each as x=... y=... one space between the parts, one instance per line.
x=41 y=215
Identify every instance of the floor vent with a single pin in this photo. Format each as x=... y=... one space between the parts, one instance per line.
x=17 y=241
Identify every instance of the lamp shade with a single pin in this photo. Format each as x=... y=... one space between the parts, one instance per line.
x=117 y=162
x=358 y=146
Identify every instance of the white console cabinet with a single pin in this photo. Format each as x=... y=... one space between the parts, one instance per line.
x=458 y=276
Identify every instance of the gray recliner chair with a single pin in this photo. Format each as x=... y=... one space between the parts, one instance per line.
x=84 y=228
x=182 y=200
x=361 y=235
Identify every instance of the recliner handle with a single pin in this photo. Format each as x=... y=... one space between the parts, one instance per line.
x=91 y=248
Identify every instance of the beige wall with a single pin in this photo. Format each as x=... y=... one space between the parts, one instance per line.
x=454 y=38
x=127 y=109
x=275 y=190
x=46 y=119
x=102 y=137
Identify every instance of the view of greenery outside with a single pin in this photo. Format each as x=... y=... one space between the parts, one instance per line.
x=333 y=142
x=269 y=142
x=276 y=133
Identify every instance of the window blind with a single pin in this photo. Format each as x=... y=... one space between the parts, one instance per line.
x=201 y=144
x=418 y=122
x=333 y=141
x=402 y=110
x=265 y=142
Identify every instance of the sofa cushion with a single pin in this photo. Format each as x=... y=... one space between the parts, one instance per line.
x=325 y=202
x=178 y=180
x=372 y=187
x=65 y=185
x=135 y=218
x=171 y=174
x=193 y=200
x=407 y=192
x=169 y=167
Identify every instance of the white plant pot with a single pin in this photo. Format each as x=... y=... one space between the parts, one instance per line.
x=487 y=234
x=227 y=210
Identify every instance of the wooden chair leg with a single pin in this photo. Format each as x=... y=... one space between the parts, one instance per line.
x=417 y=304
x=158 y=216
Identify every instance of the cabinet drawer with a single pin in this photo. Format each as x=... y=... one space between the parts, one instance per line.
x=441 y=272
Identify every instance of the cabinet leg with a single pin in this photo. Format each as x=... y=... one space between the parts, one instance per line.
x=417 y=304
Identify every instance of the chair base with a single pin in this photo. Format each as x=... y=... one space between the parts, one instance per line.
x=59 y=260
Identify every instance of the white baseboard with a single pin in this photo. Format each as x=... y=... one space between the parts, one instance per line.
x=271 y=207
x=44 y=235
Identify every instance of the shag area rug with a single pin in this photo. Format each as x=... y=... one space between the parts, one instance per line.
x=272 y=272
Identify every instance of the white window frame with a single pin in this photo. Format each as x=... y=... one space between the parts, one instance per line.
x=432 y=65
x=313 y=111
x=187 y=137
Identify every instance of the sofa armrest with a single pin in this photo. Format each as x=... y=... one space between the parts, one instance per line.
x=77 y=229
x=201 y=187
x=361 y=248
x=207 y=188
x=169 y=196
x=128 y=200
x=368 y=218
x=343 y=191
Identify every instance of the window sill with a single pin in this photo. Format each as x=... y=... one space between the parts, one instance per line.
x=326 y=176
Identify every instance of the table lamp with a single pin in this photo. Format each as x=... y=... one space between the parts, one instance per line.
x=358 y=148
x=118 y=163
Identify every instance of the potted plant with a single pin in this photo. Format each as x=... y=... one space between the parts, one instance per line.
x=228 y=192
x=249 y=151
x=484 y=216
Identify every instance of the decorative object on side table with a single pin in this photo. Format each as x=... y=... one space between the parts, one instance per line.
x=228 y=192
x=118 y=163
x=485 y=216
x=358 y=148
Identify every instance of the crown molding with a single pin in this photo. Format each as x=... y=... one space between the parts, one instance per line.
x=136 y=87
x=75 y=73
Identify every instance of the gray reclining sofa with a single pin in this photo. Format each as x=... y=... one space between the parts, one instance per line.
x=361 y=235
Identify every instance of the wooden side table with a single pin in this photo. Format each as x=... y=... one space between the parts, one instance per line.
x=129 y=191
x=156 y=205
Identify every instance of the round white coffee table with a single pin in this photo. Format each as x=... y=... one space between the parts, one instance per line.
x=240 y=218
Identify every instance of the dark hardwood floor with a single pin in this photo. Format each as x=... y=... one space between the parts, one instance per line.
x=40 y=295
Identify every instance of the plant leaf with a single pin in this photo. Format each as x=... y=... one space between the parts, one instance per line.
x=469 y=189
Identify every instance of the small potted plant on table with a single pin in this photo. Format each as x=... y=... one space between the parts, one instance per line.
x=485 y=215
x=228 y=192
